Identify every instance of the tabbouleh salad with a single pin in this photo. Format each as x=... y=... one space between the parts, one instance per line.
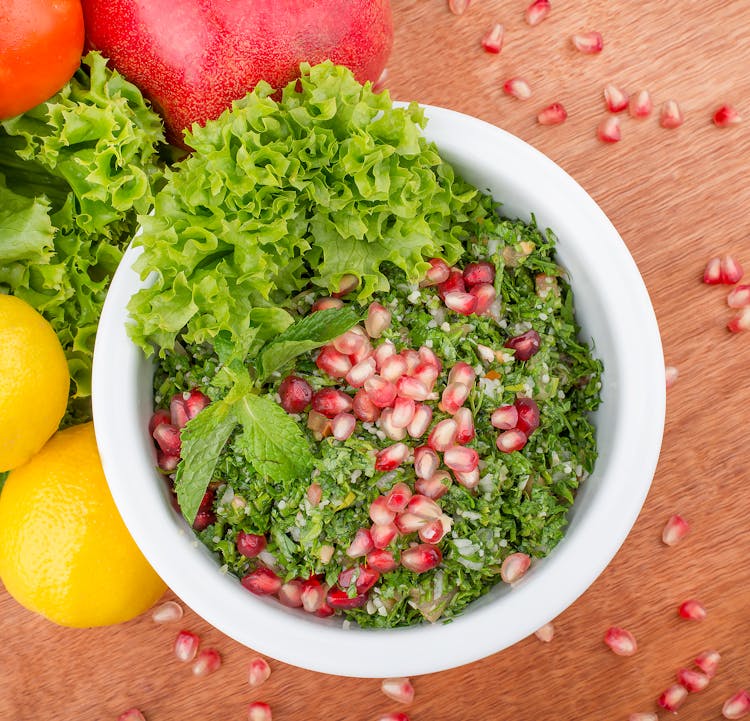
x=371 y=388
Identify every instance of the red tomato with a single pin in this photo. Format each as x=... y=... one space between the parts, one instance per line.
x=40 y=49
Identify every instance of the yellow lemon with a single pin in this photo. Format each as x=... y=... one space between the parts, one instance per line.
x=64 y=550
x=34 y=382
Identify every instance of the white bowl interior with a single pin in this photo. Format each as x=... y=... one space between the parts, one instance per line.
x=612 y=307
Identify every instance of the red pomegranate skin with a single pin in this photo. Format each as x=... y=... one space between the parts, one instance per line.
x=192 y=58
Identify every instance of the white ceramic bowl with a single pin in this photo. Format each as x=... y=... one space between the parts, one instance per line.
x=613 y=308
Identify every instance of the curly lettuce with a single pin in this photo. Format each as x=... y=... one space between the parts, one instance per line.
x=324 y=180
x=75 y=173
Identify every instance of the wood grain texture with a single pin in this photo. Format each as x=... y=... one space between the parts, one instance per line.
x=677 y=198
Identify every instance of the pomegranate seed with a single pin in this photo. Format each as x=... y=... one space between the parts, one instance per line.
x=393 y=368
x=712 y=273
x=552 y=115
x=399 y=715
x=454 y=396
x=398 y=689
x=403 y=412
x=511 y=441
x=379 y=511
x=412 y=359
x=312 y=595
x=363 y=407
x=588 y=43
x=462 y=303
x=385 y=350
x=461 y=459
x=421 y=421
x=609 y=130
x=514 y=567
x=167 y=612
x=671 y=115
x=468 y=479
x=195 y=402
x=391 y=457
x=259 y=711
x=434 y=487
x=421 y=558
x=361 y=577
x=462 y=373
x=326 y=304
x=643 y=717
x=504 y=418
x=383 y=534
x=726 y=116
x=525 y=345
x=408 y=522
x=360 y=372
x=615 y=99
x=207 y=661
x=517 y=88
x=347 y=284
x=427 y=357
x=737 y=705
x=426 y=462
x=342 y=426
x=333 y=363
x=464 y=426
x=290 y=593
x=675 y=530
x=166 y=462
x=485 y=295
x=423 y=507
x=338 y=598
x=330 y=402
x=537 y=11
x=673 y=697
x=408 y=387
x=186 y=646
x=438 y=272
x=378 y=319
x=670 y=376
x=708 y=662
x=434 y=531
x=640 y=105
x=492 y=42
x=443 y=435
x=361 y=545
x=262 y=581
x=326 y=553
x=458 y=7
x=381 y=391
x=168 y=438
x=740 y=322
x=351 y=341
x=479 y=272
x=398 y=497
x=731 y=270
x=250 y=544
x=739 y=297
x=160 y=416
x=621 y=641
x=364 y=351
x=203 y=520
x=132 y=714
x=693 y=681
x=453 y=284
x=178 y=413
x=546 y=633
x=324 y=611
x=381 y=560
x=295 y=394
x=427 y=374
x=314 y=494
x=692 y=610
x=258 y=672
x=319 y=424
x=528 y=415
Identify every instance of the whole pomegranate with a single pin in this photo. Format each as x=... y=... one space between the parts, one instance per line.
x=192 y=58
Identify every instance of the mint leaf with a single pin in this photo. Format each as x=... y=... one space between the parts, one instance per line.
x=271 y=441
x=203 y=437
x=305 y=335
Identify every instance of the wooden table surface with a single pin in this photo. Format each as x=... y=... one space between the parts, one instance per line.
x=677 y=198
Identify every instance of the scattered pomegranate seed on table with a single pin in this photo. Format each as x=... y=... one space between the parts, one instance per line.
x=259 y=711
x=206 y=662
x=739 y=297
x=552 y=115
x=545 y=633
x=730 y=270
x=492 y=42
x=398 y=689
x=458 y=7
x=672 y=698
x=398 y=716
x=514 y=567
x=708 y=662
x=675 y=529
x=167 y=612
x=737 y=705
x=643 y=717
x=537 y=11
x=616 y=100
x=671 y=375
x=621 y=641
x=132 y=714
x=640 y=105
x=693 y=681
x=186 y=646
x=692 y=610
x=588 y=43
x=726 y=116
x=517 y=88
x=740 y=322
x=670 y=116
x=609 y=130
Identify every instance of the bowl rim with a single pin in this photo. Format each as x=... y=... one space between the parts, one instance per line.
x=539 y=597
